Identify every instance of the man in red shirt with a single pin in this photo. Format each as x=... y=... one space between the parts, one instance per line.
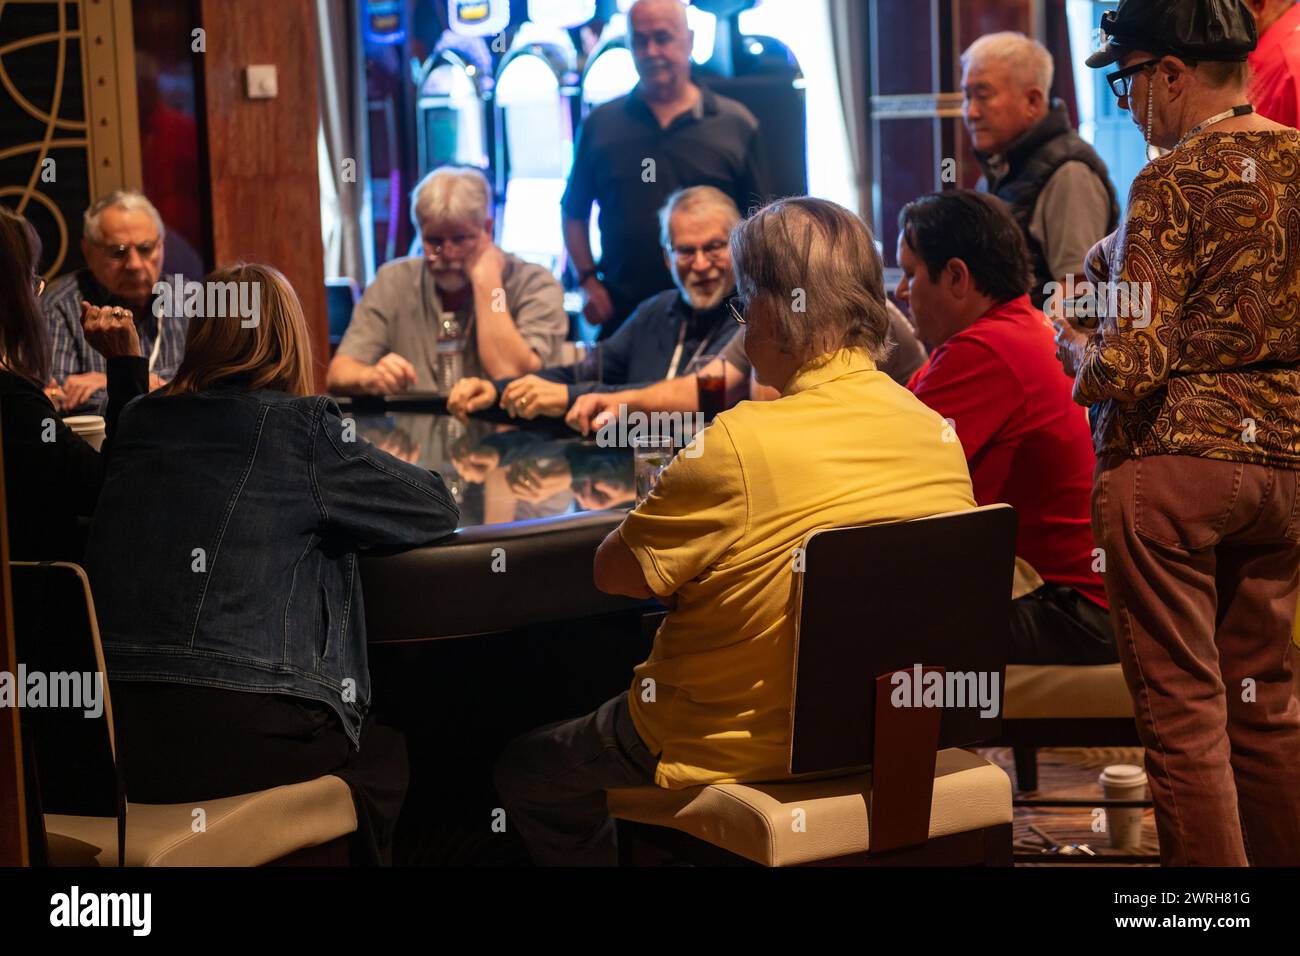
x=993 y=375
x=1275 y=64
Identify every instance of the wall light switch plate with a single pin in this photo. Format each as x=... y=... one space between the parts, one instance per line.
x=261 y=82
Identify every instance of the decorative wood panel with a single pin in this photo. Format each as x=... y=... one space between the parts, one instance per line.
x=67 y=108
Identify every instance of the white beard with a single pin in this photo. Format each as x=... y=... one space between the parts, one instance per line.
x=450 y=281
x=703 y=303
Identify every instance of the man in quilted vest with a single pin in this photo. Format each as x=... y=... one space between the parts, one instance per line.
x=1057 y=186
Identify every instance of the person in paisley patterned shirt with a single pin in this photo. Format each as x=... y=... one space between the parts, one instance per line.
x=1194 y=370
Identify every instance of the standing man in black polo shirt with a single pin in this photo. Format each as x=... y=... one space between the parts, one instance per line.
x=635 y=151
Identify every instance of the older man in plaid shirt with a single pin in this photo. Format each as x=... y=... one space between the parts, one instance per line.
x=123 y=247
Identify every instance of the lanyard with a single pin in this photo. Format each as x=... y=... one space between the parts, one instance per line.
x=1241 y=110
x=157 y=346
x=673 y=367
x=677 y=352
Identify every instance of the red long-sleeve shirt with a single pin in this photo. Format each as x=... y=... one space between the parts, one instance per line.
x=1026 y=442
x=1275 y=65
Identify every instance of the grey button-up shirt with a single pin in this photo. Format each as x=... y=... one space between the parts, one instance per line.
x=399 y=313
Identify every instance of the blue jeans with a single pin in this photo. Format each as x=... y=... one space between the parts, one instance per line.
x=552 y=784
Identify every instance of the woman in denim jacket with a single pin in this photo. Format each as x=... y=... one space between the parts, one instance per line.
x=224 y=561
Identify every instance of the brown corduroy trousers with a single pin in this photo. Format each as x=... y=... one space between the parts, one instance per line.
x=1202 y=566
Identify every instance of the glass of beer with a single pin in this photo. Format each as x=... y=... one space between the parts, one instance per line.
x=710 y=373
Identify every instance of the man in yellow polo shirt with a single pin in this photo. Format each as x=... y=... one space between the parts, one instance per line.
x=716 y=540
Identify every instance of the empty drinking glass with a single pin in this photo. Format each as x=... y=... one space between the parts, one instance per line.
x=586 y=364
x=653 y=453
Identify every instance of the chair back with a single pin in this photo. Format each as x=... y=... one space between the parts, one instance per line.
x=71 y=724
x=16 y=838
x=901 y=597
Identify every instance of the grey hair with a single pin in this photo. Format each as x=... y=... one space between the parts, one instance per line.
x=814 y=267
x=695 y=197
x=127 y=199
x=458 y=194
x=1031 y=65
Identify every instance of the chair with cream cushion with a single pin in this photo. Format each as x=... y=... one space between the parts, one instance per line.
x=71 y=762
x=1064 y=705
x=873 y=602
x=249 y=830
x=970 y=814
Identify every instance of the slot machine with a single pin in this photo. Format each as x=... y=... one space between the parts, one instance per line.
x=453 y=91
x=534 y=109
x=609 y=71
x=751 y=63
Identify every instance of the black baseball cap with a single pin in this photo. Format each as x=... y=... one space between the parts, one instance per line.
x=1215 y=30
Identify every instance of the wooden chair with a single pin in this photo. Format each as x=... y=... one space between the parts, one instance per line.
x=929 y=596
x=14 y=836
x=74 y=780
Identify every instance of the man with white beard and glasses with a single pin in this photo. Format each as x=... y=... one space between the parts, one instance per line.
x=663 y=335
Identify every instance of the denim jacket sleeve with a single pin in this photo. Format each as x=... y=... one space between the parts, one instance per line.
x=369 y=496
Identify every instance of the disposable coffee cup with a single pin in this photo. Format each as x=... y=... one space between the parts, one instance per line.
x=1124 y=781
x=89 y=427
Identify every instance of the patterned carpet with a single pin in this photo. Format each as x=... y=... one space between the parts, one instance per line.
x=1071 y=773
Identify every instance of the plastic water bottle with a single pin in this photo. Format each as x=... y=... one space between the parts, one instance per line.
x=451 y=352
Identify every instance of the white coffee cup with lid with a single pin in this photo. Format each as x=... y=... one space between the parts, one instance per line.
x=88 y=427
x=1123 y=781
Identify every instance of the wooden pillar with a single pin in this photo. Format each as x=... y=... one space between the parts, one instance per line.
x=261 y=153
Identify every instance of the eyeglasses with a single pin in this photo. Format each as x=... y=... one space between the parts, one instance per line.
x=738 y=313
x=714 y=252
x=433 y=245
x=120 y=253
x=1121 y=81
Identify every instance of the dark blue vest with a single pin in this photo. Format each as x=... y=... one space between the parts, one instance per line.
x=1031 y=161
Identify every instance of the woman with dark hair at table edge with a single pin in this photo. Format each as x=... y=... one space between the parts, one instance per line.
x=52 y=476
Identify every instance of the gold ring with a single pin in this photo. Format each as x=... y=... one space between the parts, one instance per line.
x=523 y=403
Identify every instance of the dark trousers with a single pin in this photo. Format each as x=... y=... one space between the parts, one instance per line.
x=552 y=784
x=179 y=743
x=1202 y=558
x=1058 y=625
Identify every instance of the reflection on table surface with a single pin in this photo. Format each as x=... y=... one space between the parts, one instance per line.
x=500 y=473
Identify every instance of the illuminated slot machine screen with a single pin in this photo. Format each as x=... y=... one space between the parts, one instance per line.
x=611 y=75
x=453 y=128
x=539 y=134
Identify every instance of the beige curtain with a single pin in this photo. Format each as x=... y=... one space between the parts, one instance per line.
x=849 y=30
x=348 y=239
